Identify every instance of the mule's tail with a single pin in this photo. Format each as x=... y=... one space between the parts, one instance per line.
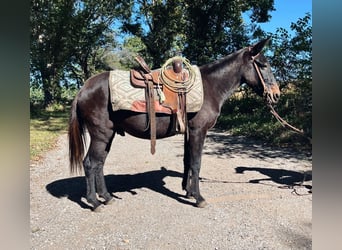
x=76 y=139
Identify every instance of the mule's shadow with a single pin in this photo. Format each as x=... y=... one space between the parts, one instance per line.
x=75 y=188
x=281 y=176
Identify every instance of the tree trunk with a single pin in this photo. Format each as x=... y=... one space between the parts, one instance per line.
x=51 y=88
x=48 y=98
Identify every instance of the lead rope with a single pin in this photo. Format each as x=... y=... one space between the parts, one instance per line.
x=286 y=124
x=272 y=110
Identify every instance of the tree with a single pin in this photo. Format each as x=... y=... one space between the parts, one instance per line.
x=48 y=51
x=157 y=23
x=292 y=54
x=66 y=38
x=201 y=30
x=71 y=40
x=216 y=28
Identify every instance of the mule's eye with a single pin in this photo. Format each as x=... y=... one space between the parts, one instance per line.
x=261 y=64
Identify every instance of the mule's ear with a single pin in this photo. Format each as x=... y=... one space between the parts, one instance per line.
x=257 y=48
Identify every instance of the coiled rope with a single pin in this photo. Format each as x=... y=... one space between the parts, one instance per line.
x=178 y=86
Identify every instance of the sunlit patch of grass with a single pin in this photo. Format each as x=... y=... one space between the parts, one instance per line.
x=40 y=142
x=45 y=127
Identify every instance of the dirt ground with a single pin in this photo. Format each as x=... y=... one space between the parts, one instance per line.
x=254 y=195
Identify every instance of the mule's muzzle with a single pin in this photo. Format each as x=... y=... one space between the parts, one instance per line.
x=273 y=94
x=272 y=98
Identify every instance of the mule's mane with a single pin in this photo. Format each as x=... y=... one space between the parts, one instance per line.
x=222 y=62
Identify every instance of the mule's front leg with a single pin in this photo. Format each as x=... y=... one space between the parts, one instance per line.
x=187 y=172
x=194 y=187
x=193 y=148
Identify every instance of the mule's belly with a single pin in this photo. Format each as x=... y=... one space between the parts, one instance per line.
x=137 y=125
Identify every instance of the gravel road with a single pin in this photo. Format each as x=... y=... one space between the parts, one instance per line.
x=254 y=195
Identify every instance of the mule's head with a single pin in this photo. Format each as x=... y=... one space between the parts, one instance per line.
x=257 y=73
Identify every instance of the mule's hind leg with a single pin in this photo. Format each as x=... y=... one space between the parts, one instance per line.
x=93 y=169
x=101 y=187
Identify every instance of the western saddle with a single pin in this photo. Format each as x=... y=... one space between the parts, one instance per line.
x=171 y=83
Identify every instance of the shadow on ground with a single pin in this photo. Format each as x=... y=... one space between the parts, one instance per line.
x=222 y=144
x=280 y=176
x=75 y=188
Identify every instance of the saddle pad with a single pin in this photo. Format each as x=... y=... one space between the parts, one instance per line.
x=124 y=96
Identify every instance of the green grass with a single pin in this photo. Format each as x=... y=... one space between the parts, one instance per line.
x=250 y=117
x=45 y=127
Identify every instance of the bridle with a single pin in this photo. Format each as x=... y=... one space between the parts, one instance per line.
x=266 y=95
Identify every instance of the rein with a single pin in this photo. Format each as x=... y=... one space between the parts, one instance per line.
x=272 y=110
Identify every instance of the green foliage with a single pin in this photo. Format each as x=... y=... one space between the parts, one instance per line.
x=36 y=96
x=158 y=25
x=292 y=62
x=72 y=40
x=249 y=116
x=216 y=28
x=68 y=40
x=201 y=30
x=68 y=95
x=37 y=106
x=132 y=47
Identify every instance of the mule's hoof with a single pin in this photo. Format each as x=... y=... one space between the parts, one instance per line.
x=98 y=209
x=109 y=201
x=201 y=204
x=188 y=195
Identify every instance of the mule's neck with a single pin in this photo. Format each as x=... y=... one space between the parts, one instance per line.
x=223 y=76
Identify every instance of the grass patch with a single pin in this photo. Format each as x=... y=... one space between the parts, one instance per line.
x=45 y=127
x=249 y=116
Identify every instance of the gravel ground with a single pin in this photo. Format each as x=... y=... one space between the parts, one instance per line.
x=255 y=200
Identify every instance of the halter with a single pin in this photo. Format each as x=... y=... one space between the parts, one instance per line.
x=266 y=91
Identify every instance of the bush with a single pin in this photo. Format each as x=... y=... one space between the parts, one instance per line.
x=36 y=96
x=249 y=116
x=68 y=95
x=37 y=100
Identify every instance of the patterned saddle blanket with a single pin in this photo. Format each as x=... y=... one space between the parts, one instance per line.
x=126 y=97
